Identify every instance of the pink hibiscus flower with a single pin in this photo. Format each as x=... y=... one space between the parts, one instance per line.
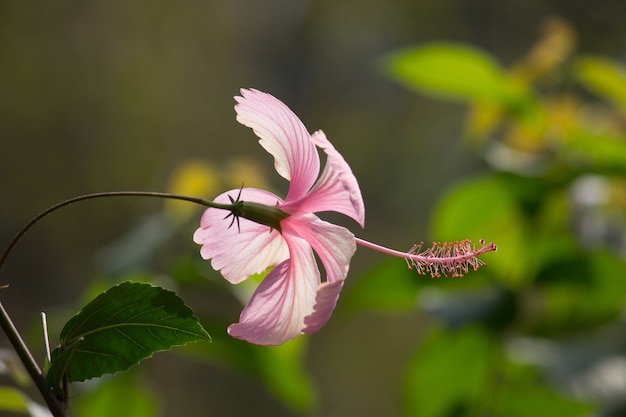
x=292 y=299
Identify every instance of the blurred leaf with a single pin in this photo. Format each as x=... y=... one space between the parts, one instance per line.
x=11 y=366
x=184 y=270
x=609 y=290
x=597 y=152
x=483 y=119
x=521 y=390
x=548 y=53
x=12 y=400
x=127 y=323
x=448 y=372
x=454 y=71
x=125 y=395
x=581 y=292
x=493 y=306
x=390 y=285
x=603 y=76
x=537 y=400
x=281 y=368
x=485 y=208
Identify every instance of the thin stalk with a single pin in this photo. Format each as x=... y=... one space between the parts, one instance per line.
x=37 y=218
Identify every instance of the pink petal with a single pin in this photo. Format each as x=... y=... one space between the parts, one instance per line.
x=335 y=246
x=240 y=253
x=282 y=135
x=276 y=311
x=325 y=302
x=336 y=190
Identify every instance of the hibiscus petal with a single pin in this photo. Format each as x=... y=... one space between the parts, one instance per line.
x=335 y=246
x=336 y=190
x=239 y=251
x=325 y=302
x=276 y=311
x=284 y=136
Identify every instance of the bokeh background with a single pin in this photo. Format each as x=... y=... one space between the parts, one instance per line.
x=116 y=95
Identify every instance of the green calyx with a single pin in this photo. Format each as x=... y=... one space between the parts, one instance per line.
x=259 y=213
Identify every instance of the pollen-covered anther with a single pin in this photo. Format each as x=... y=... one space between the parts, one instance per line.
x=453 y=259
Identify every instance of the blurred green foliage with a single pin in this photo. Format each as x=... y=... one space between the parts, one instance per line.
x=126 y=394
x=552 y=131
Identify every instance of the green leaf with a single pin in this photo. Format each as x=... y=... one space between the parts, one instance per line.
x=453 y=71
x=12 y=400
x=389 y=285
x=581 y=292
x=282 y=369
x=125 y=395
x=604 y=77
x=598 y=152
x=450 y=371
x=284 y=372
x=127 y=323
x=537 y=400
x=520 y=390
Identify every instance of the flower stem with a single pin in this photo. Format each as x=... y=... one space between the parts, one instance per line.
x=37 y=218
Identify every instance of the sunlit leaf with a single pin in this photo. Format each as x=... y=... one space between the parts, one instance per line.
x=125 y=395
x=127 y=323
x=12 y=400
x=603 y=76
x=450 y=370
x=596 y=151
x=453 y=71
